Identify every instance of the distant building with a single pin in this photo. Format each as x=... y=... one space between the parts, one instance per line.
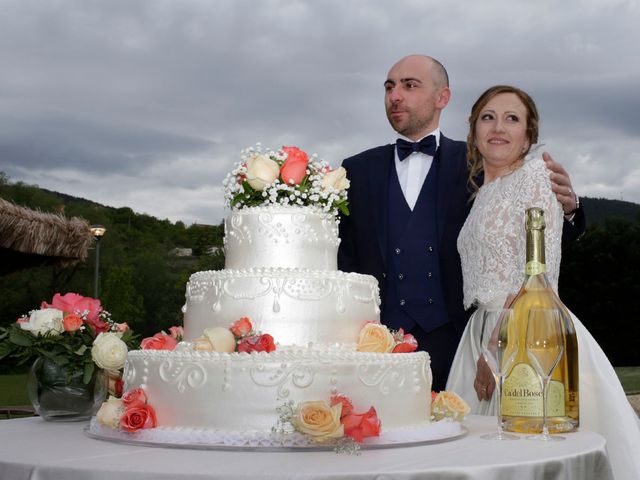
x=181 y=252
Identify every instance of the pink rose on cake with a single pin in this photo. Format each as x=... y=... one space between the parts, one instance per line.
x=160 y=341
x=359 y=426
x=130 y=413
x=241 y=328
x=294 y=168
x=257 y=343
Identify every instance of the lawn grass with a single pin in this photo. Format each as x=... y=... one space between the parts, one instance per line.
x=630 y=379
x=13 y=388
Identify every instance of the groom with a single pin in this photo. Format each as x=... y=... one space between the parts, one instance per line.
x=408 y=202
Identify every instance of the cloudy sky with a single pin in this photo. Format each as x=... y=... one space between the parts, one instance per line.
x=147 y=104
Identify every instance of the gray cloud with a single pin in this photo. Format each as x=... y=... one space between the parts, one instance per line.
x=127 y=103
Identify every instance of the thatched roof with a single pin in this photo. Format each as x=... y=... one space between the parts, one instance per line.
x=30 y=238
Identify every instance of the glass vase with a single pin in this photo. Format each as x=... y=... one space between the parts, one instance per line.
x=57 y=395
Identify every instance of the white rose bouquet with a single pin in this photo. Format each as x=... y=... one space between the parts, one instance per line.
x=74 y=332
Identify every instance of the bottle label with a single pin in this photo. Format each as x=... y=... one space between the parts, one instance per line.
x=535 y=268
x=522 y=394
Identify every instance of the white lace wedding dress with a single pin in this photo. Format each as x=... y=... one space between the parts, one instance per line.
x=492 y=251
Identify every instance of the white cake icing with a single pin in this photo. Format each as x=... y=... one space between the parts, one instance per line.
x=296 y=307
x=281 y=236
x=241 y=391
x=281 y=273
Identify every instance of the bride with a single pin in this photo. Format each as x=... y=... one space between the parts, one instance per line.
x=503 y=128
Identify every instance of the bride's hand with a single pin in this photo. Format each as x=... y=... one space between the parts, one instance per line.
x=484 y=383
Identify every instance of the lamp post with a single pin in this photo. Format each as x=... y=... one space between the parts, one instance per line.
x=97 y=231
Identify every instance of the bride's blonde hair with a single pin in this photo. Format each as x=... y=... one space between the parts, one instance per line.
x=474 y=159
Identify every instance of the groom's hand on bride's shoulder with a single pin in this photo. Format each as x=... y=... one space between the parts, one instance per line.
x=561 y=185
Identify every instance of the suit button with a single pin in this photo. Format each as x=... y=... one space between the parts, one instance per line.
x=430 y=301
x=402 y=302
x=430 y=248
x=400 y=276
x=398 y=251
x=384 y=275
x=429 y=275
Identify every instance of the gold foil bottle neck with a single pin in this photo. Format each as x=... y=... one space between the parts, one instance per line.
x=534 y=219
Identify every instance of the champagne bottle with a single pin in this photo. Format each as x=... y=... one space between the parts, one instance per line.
x=522 y=395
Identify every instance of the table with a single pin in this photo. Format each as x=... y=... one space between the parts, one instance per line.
x=31 y=448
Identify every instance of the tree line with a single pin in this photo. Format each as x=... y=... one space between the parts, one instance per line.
x=143 y=283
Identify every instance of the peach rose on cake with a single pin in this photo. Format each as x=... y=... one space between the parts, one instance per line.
x=375 y=337
x=261 y=171
x=109 y=352
x=449 y=404
x=336 y=179
x=319 y=420
x=110 y=412
x=294 y=168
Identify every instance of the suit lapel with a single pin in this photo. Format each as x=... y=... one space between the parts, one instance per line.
x=447 y=173
x=379 y=188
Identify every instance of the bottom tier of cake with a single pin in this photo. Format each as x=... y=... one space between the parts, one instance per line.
x=240 y=391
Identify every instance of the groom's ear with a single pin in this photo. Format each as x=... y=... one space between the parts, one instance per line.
x=444 y=95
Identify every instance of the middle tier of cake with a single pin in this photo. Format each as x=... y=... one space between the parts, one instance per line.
x=294 y=306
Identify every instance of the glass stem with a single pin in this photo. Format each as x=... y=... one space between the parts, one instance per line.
x=498 y=392
x=545 y=390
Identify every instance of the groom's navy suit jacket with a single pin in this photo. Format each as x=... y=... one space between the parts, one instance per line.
x=364 y=233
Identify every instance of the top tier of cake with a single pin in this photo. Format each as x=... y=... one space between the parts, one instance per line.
x=281 y=236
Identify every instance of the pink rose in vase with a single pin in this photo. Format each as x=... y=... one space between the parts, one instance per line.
x=294 y=168
x=71 y=322
x=75 y=303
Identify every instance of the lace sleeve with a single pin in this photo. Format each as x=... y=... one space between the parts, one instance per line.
x=534 y=190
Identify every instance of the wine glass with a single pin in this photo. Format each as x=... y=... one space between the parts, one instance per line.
x=499 y=351
x=544 y=346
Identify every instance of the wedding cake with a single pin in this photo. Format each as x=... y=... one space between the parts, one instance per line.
x=281 y=275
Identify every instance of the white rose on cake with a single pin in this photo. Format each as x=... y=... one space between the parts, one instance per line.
x=45 y=321
x=261 y=171
x=336 y=179
x=109 y=352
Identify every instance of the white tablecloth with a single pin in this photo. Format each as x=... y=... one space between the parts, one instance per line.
x=37 y=450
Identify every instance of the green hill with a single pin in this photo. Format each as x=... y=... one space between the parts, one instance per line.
x=143 y=280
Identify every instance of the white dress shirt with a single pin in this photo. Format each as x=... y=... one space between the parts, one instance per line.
x=413 y=170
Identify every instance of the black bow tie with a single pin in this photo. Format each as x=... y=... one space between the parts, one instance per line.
x=426 y=145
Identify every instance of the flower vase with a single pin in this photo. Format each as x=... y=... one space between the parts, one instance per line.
x=59 y=395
